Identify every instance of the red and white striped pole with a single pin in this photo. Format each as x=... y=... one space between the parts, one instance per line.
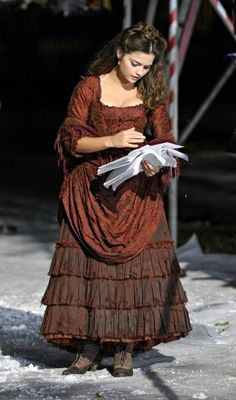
x=173 y=111
x=173 y=68
x=218 y=7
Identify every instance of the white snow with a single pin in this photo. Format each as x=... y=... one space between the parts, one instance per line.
x=200 y=366
x=199 y=396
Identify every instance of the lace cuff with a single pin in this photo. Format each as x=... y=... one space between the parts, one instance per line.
x=66 y=141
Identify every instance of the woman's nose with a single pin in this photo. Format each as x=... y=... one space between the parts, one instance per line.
x=139 y=71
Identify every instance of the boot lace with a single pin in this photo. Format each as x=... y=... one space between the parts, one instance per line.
x=122 y=357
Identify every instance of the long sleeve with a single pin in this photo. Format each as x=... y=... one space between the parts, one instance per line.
x=162 y=132
x=161 y=124
x=77 y=113
x=79 y=104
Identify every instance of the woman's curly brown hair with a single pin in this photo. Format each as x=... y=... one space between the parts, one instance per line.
x=139 y=37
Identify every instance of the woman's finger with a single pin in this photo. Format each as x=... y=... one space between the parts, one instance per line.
x=135 y=141
x=149 y=169
x=149 y=166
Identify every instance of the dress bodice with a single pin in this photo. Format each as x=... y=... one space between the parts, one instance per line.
x=86 y=106
x=112 y=119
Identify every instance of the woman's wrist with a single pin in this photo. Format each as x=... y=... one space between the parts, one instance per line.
x=109 y=142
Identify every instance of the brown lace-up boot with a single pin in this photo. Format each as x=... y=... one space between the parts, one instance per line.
x=123 y=365
x=87 y=358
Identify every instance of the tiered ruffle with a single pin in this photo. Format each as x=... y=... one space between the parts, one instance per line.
x=142 y=300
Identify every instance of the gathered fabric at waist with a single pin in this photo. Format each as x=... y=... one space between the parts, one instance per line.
x=114 y=226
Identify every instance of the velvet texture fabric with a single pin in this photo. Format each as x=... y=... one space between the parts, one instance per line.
x=114 y=274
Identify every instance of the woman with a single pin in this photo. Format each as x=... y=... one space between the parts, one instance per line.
x=114 y=283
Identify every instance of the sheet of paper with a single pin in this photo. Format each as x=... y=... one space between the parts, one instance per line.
x=162 y=155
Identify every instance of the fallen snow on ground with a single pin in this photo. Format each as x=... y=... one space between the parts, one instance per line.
x=200 y=366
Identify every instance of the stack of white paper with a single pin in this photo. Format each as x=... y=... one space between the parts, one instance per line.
x=162 y=155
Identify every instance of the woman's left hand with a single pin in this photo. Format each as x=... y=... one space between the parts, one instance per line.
x=149 y=169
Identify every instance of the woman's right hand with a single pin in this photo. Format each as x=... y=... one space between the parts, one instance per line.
x=128 y=138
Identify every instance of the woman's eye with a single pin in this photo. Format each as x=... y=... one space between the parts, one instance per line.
x=134 y=64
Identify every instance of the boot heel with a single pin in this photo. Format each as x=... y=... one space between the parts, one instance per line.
x=121 y=372
x=94 y=367
x=86 y=360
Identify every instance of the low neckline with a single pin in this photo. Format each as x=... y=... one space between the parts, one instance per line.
x=107 y=105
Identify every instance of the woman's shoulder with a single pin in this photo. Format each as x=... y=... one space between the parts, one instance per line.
x=87 y=88
x=88 y=82
x=160 y=108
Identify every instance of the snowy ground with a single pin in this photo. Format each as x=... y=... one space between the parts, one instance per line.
x=200 y=366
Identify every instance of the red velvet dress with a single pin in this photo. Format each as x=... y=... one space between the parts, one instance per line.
x=114 y=274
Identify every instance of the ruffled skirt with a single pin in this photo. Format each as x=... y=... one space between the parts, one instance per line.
x=141 y=301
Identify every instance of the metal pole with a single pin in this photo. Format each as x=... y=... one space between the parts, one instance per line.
x=182 y=16
x=216 y=4
x=187 y=32
x=234 y=15
x=127 y=14
x=173 y=112
x=151 y=11
x=228 y=72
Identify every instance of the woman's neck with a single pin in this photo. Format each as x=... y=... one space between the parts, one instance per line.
x=118 y=79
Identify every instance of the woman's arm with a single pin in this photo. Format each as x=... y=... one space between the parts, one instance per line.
x=161 y=130
x=161 y=124
x=129 y=138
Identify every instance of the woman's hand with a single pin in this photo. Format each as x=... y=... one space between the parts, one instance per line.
x=149 y=169
x=129 y=138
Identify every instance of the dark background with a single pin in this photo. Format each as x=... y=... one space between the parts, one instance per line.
x=42 y=57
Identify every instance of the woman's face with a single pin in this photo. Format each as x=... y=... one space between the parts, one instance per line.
x=133 y=66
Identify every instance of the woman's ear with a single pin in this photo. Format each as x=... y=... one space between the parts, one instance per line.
x=118 y=53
